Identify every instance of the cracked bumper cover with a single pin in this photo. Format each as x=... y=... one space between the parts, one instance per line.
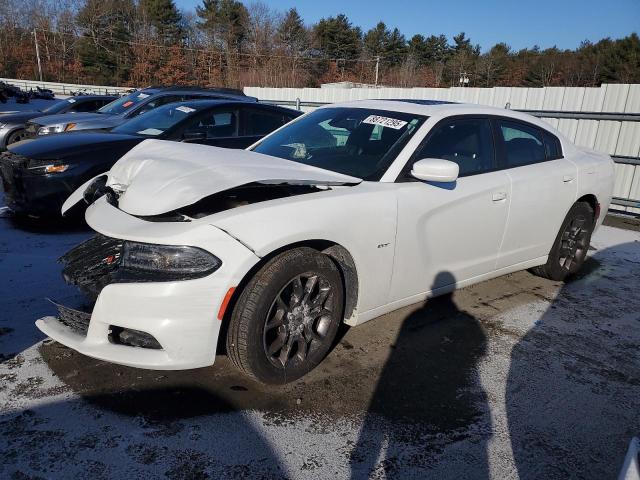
x=181 y=315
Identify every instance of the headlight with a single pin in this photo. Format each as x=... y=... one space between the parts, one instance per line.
x=48 y=130
x=146 y=262
x=2 y=125
x=43 y=167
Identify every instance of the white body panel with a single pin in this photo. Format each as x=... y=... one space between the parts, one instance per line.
x=540 y=197
x=408 y=240
x=459 y=233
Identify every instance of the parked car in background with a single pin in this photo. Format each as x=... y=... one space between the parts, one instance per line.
x=346 y=213
x=38 y=175
x=12 y=125
x=126 y=108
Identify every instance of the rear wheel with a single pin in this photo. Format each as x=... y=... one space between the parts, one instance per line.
x=16 y=136
x=287 y=317
x=570 y=248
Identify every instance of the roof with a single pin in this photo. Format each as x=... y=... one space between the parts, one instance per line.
x=182 y=88
x=207 y=103
x=88 y=96
x=436 y=108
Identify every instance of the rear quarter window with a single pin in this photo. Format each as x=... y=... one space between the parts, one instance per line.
x=552 y=146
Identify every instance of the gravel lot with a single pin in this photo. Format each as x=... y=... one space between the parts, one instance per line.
x=515 y=377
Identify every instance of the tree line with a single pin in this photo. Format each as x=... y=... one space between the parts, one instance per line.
x=230 y=43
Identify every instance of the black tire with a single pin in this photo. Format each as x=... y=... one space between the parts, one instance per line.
x=274 y=310
x=16 y=136
x=569 y=250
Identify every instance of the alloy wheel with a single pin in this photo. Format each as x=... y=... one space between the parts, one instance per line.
x=574 y=243
x=298 y=320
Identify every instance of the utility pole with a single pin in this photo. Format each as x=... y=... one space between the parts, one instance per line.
x=377 y=68
x=35 y=38
x=464 y=79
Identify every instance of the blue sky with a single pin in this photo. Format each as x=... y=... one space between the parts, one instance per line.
x=564 y=23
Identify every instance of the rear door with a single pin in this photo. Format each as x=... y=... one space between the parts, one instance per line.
x=256 y=122
x=543 y=188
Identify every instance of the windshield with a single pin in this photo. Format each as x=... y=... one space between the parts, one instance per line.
x=157 y=121
x=355 y=141
x=58 y=106
x=125 y=103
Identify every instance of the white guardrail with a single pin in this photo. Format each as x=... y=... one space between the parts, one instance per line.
x=66 y=88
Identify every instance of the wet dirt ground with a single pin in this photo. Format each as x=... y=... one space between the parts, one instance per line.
x=518 y=377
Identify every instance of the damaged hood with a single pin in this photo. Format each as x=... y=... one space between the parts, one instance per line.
x=159 y=176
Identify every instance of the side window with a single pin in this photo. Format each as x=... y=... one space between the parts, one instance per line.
x=216 y=124
x=468 y=142
x=262 y=122
x=551 y=146
x=522 y=144
x=156 y=102
x=89 y=106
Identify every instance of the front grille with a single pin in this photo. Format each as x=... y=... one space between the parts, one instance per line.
x=91 y=264
x=13 y=159
x=76 y=320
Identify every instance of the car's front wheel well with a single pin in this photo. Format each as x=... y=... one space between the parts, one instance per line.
x=592 y=201
x=338 y=254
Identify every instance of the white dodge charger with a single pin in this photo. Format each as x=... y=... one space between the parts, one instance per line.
x=349 y=212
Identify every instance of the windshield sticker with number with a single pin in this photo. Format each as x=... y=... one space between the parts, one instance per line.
x=184 y=109
x=71 y=100
x=150 y=131
x=142 y=96
x=385 y=122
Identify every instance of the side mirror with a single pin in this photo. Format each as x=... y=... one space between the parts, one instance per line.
x=435 y=170
x=194 y=136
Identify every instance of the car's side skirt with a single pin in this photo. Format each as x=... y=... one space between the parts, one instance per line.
x=421 y=297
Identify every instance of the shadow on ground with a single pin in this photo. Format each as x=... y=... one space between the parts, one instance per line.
x=573 y=389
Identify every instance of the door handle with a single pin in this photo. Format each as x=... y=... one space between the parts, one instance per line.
x=567 y=178
x=499 y=196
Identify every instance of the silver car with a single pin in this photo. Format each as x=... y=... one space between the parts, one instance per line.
x=12 y=124
x=127 y=107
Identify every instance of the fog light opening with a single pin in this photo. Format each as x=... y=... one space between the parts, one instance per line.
x=132 y=338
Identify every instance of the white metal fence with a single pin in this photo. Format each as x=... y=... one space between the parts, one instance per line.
x=65 y=88
x=605 y=118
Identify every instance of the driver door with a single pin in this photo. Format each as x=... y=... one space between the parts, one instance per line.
x=451 y=232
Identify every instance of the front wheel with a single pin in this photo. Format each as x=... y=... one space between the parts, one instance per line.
x=16 y=136
x=286 y=317
x=569 y=250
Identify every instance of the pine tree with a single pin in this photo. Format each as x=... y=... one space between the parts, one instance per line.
x=225 y=22
x=292 y=33
x=336 y=38
x=165 y=19
x=395 y=48
x=104 y=49
x=376 y=39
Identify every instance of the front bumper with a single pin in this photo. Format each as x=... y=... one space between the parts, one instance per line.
x=180 y=315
